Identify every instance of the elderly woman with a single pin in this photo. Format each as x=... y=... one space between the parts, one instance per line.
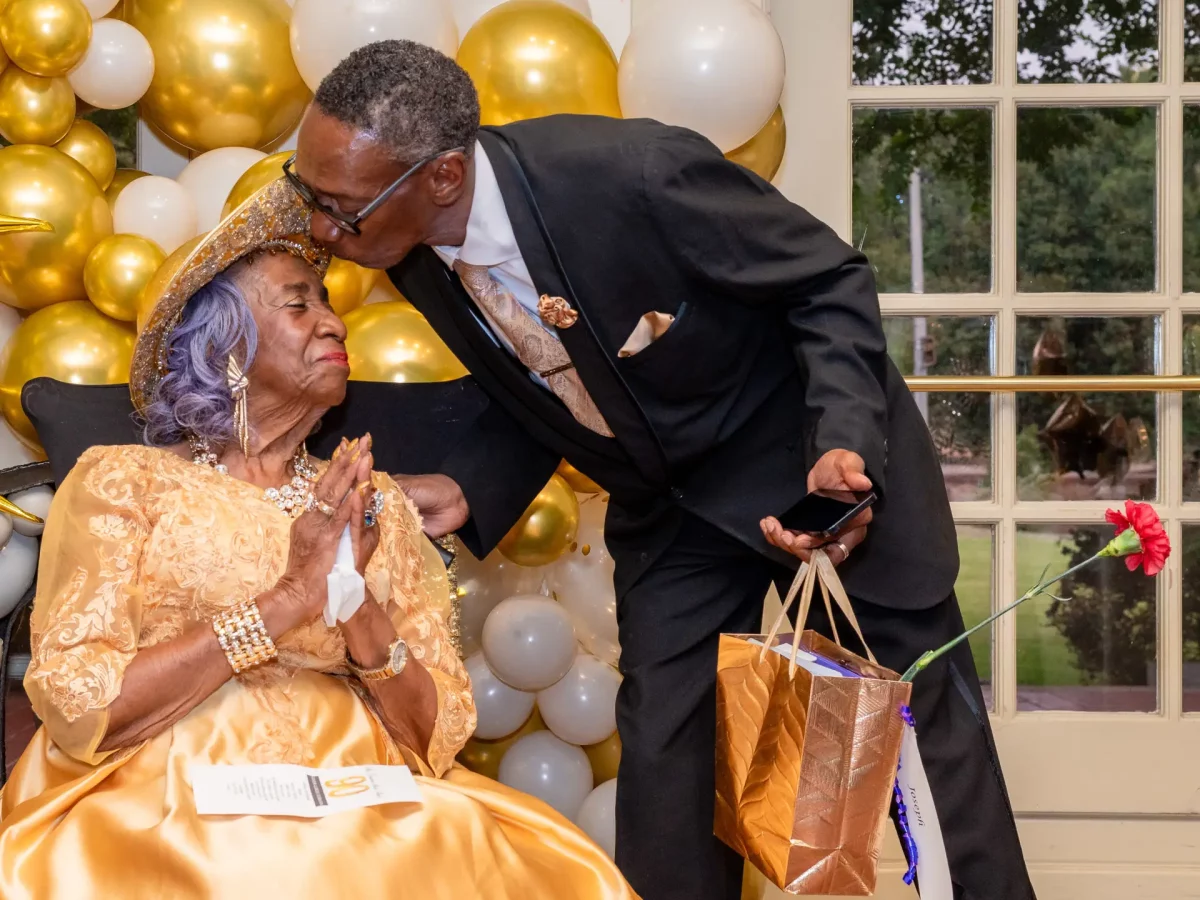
x=178 y=621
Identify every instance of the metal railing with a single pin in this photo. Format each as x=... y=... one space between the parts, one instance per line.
x=1022 y=384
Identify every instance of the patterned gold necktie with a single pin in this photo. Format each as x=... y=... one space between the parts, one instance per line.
x=536 y=348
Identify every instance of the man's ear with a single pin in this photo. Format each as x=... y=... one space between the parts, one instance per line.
x=448 y=179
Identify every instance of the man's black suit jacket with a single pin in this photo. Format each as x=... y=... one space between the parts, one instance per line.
x=776 y=355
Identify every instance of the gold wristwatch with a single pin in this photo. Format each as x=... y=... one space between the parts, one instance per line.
x=397 y=659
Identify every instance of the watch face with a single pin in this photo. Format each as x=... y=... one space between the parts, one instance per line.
x=399 y=656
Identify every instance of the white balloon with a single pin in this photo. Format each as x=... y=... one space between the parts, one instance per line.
x=9 y=319
x=37 y=501
x=582 y=581
x=713 y=66
x=468 y=12
x=549 y=769
x=100 y=8
x=582 y=707
x=598 y=817
x=156 y=208
x=324 y=32
x=12 y=451
x=481 y=585
x=18 y=564
x=117 y=68
x=211 y=176
x=529 y=642
x=6 y=529
x=500 y=708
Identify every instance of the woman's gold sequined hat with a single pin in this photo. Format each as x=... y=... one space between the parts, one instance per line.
x=273 y=217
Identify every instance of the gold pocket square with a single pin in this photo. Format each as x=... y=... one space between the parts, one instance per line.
x=650 y=328
x=556 y=312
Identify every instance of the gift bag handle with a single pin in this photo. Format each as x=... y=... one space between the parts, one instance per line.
x=818 y=570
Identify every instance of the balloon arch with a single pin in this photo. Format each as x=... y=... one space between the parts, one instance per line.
x=82 y=242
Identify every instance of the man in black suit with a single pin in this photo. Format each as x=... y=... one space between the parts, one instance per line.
x=708 y=352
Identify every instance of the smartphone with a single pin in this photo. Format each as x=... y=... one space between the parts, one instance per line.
x=826 y=513
x=446 y=555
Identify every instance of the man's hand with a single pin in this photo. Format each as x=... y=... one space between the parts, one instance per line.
x=440 y=500
x=837 y=470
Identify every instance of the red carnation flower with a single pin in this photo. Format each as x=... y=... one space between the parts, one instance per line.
x=1152 y=547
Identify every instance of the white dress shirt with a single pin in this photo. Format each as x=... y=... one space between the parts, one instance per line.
x=491 y=242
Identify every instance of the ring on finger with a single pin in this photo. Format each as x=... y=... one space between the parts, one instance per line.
x=845 y=550
x=374 y=509
x=313 y=503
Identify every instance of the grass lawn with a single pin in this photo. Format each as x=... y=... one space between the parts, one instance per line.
x=1043 y=655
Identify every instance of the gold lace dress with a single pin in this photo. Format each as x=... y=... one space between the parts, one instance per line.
x=138 y=545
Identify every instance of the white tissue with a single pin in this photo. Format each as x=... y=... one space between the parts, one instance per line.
x=347 y=590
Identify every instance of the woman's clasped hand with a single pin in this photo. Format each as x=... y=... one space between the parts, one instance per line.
x=341 y=497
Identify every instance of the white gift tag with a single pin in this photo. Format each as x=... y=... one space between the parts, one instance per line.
x=346 y=588
x=933 y=870
x=283 y=790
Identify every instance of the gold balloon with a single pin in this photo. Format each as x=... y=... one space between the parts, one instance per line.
x=605 y=757
x=547 y=529
x=88 y=145
x=118 y=270
x=484 y=756
x=533 y=58
x=121 y=178
x=763 y=153
x=41 y=183
x=45 y=37
x=579 y=482
x=348 y=285
x=259 y=175
x=393 y=342
x=162 y=277
x=33 y=109
x=71 y=342
x=17 y=224
x=223 y=71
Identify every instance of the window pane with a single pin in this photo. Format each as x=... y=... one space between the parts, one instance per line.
x=121 y=127
x=1191 y=618
x=1191 y=197
x=1086 y=446
x=922 y=41
x=974 y=590
x=1191 y=40
x=1088 y=41
x=960 y=424
x=1096 y=650
x=1191 y=410
x=923 y=181
x=1086 y=199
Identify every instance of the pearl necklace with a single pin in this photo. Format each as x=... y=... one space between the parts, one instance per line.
x=292 y=498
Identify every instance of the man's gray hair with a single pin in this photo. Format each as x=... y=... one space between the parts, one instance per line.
x=415 y=101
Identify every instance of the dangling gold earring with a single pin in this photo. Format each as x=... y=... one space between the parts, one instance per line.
x=238 y=385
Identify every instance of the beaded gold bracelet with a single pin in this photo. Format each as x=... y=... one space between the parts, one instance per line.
x=244 y=638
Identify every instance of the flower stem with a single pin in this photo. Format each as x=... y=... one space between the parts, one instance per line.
x=1040 y=588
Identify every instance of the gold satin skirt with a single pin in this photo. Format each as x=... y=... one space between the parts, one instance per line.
x=128 y=828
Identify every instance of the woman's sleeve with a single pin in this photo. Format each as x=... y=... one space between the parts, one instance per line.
x=88 y=607
x=421 y=620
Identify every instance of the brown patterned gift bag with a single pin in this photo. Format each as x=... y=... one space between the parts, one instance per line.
x=808 y=739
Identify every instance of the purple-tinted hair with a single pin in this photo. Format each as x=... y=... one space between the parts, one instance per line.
x=194 y=397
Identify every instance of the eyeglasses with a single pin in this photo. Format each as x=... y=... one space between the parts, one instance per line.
x=347 y=223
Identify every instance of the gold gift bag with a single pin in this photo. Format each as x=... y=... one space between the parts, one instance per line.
x=806 y=762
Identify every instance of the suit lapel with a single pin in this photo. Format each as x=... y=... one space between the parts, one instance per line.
x=459 y=316
x=596 y=368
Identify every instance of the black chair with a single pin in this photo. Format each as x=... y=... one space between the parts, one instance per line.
x=14 y=625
